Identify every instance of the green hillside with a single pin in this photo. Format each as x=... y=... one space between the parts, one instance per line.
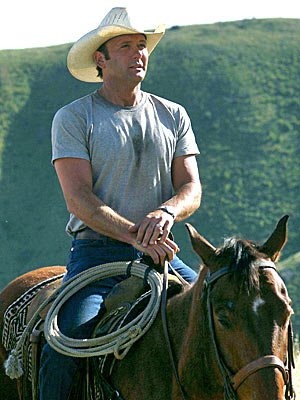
x=289 y=269
x=240 y=84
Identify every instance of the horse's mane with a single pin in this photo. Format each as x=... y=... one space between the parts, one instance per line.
x=240 y=256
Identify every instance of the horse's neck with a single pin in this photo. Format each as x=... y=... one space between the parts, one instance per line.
x=190 y=336
x=185 y=318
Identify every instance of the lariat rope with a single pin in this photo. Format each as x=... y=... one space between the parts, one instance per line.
x=118 y=342
x=113 y=342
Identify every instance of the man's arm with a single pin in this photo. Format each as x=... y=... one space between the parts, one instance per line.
x=187 y=198
x=75 y=177
x=187 y=186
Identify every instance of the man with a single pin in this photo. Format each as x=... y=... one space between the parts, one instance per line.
x=125 y=160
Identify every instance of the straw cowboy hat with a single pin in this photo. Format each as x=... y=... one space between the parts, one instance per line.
x=80 y=59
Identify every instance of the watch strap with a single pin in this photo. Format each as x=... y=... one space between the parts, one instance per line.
x=167 y=210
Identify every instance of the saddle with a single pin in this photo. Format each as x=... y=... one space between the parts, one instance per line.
x=124 y=302
x=36 y=338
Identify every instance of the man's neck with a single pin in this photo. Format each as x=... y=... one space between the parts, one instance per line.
x=125 y=98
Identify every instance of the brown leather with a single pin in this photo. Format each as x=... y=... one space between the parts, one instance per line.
x=126 y=291
x=131 y=289
x=251 y=368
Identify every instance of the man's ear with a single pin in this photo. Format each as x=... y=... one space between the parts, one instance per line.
x=99 y=58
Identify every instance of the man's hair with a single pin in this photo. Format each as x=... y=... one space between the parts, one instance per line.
x=103 y=49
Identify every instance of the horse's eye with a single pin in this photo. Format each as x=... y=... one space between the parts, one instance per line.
x=224 y=313
x=283 y=291
x=224 y=320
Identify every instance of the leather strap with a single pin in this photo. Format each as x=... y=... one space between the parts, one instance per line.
x=254 y=366
x=165 y=327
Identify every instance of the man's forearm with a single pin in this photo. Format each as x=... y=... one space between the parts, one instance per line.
x=94 y=213
x=186 y=201
x=75 y=178
x=101 y=218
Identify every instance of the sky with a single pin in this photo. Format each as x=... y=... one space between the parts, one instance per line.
x=38 y=23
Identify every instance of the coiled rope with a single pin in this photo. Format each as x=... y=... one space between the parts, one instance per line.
x=113 y=342
x=118 y=342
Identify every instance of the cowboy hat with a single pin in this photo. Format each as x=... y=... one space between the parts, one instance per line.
x=80 y=61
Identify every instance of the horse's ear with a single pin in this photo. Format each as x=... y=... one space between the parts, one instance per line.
x=201 y=246
x=273 y=246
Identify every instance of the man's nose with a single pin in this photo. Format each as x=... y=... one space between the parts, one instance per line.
x=138 y=53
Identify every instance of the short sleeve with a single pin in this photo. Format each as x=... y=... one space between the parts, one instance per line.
x=69 y=135
x=186 y=142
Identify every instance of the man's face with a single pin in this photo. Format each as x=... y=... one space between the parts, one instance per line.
x=128 y=58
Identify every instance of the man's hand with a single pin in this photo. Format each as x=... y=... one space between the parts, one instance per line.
x=152 y=236
x=160 y=251
x=155 y=227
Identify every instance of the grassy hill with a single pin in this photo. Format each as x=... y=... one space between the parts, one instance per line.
x=240 y=84
x=289 y=269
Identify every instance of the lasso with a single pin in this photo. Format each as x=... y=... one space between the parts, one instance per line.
x=118 y=342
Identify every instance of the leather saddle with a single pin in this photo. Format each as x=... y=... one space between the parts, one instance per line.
x=122 y=303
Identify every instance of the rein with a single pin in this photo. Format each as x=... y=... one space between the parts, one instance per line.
x=231 y=383
x=165 y=322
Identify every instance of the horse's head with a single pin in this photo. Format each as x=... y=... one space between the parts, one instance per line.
x=248 y=314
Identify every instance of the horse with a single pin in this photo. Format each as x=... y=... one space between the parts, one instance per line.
x=228 y=334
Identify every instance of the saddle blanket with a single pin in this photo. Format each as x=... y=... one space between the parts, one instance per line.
x=15 y=321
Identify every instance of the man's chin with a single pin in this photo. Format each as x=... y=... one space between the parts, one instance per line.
x=139 y=77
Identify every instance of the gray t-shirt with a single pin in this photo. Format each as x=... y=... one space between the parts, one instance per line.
x=130 y=149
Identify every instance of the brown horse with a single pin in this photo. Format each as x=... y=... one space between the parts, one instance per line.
x=229 y=332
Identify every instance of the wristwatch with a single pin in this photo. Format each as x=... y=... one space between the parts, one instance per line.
x=168 y=210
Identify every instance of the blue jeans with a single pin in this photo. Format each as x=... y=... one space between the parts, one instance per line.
x=57 y=371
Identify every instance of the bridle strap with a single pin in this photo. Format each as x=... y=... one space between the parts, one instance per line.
x=254 y=366
x=165 y=326
x=229 y=392
x=290 y=394
x=231 y=383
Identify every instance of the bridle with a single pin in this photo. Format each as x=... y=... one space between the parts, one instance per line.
x=232 y=382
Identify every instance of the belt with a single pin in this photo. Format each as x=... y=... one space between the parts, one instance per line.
x=88 y=233
x=92 y=235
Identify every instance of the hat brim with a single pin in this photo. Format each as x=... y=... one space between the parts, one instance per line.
x=80 y=60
